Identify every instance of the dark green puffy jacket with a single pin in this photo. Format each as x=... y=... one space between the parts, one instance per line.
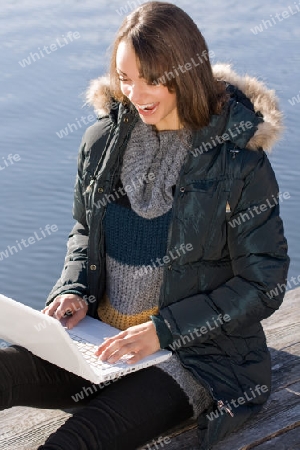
x=226 y=207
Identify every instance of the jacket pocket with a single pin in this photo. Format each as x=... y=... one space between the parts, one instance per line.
x=207 y=187
x=202 y=213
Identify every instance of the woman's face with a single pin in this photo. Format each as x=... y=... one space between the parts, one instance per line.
x=154 y=103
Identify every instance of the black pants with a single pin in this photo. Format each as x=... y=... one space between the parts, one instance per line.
x=125 y=414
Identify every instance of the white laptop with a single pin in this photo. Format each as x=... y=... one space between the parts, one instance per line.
x=72 y=350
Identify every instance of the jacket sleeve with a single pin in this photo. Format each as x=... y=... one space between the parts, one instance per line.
x=74 y=274
x=258 y=251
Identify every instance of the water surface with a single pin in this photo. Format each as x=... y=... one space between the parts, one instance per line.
x=43 y=96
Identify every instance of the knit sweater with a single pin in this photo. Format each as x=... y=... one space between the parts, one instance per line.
x=133 y=279
x=135 y=248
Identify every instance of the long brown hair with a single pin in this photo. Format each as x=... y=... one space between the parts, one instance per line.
x=171 y=51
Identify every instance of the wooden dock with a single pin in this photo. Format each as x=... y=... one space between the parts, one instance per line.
x=276 y=427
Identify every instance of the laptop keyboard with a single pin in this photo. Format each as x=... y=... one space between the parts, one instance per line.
x=87 y=349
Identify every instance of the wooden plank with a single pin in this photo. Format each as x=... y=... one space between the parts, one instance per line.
x=288 y=440
x=276 y=427
x=27 y=428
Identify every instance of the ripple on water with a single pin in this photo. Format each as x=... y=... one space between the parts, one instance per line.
x=41 y=99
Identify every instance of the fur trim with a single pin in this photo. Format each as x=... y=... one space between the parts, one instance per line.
x=264 y=100
x=99 y=96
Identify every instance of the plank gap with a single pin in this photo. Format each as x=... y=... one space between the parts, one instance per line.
x=290 y=427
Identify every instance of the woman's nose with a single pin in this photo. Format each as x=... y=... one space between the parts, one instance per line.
x=136 y=94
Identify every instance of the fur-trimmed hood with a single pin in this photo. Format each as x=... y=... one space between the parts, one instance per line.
x=263 y=100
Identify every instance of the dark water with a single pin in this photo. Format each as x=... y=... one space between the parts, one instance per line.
x=42 y=98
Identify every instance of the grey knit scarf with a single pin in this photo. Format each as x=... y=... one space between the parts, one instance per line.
x=150 y=152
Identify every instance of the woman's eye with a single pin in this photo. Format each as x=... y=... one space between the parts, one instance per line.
x=123 y=79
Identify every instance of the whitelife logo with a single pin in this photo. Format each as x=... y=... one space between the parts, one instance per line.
x=24 y=243
x=48 y=49
x=295 y=100
x=9 y=160
x=277 y=18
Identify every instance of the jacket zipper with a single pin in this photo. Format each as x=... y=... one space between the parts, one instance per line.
x=221 y=405
x=177 y=188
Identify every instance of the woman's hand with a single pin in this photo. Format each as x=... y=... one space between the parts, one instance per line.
x=140 y=340
x=67 y=305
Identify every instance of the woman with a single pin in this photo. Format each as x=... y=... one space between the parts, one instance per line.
x=173 y=244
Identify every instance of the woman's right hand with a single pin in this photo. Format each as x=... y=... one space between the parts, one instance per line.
x=67 y=305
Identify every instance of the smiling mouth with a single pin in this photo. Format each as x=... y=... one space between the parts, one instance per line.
x=147 y=108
